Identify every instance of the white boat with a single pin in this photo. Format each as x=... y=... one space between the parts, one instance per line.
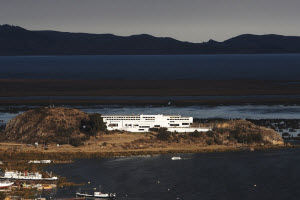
x=25 y=176
x=97 y=195
x=5 y=184
x=176 y=158
x=40 y=161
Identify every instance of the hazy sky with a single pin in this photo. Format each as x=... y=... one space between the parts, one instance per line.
x=190 y=20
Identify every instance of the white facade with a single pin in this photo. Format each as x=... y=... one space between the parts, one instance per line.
x=142 y=123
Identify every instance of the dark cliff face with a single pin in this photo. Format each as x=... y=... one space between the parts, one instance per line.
x=15 y=40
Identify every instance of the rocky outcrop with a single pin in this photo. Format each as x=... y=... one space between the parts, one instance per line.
x=46 y=125
x=243 y=129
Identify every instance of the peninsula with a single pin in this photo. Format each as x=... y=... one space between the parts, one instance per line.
x=64 y=132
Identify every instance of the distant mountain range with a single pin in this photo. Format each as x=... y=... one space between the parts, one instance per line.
x=15 y=40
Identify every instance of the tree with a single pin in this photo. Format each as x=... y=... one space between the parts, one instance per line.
x=97 y=123
x=93 y=125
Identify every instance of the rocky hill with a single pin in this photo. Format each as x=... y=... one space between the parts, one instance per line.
x=244 y=131
x=43 y=125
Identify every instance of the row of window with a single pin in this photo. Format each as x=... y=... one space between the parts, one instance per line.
x=122 y=118
x=135 y=125
x=111 y=119
x=179 y=119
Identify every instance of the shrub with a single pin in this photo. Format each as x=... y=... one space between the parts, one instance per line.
x=209 y=141
x=218 y=141
x=195 y=134
x=233 y=135
x=163 y=134
x=210 y=134
x=75 y=142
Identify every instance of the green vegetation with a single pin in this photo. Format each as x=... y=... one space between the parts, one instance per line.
x=2 y=195
x=2 y=127
x=243 y=137
x=195 y=134
x=231 y=132
x=89 y=127
x=93 y=125
x=97 y=122
x=163 y=134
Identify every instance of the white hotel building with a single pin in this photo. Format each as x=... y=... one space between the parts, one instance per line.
x=142 y=123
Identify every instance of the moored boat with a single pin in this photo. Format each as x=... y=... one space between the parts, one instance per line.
x=16 y=175
x=5 y=184
x=97 y=195
x=176 y=158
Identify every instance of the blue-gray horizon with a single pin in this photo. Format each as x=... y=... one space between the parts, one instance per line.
x=191 y=20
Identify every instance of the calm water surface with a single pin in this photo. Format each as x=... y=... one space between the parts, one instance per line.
x=203 y=112
x=151 y=67
x=239 y=175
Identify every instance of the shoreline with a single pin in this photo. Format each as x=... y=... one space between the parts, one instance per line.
x=79 y=154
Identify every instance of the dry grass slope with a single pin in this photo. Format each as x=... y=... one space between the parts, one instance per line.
x=45 y=125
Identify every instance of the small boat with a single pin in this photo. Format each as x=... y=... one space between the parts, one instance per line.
x=5 y=184
x=176 y=158
x=97 y=195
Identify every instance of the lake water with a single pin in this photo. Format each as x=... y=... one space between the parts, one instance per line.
x=160 y=98
x=153 y=67
x=227 y=176
x=202 y=112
